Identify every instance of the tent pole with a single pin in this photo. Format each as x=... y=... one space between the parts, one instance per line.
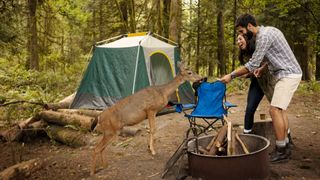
x=135 y=69
x=103 y=41
x=166 y=39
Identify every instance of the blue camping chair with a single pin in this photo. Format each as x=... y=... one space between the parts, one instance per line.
x=211 y=107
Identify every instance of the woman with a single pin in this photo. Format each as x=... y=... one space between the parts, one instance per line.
x=259 y=87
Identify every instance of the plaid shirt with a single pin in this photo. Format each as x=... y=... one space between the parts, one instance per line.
x=271 y=43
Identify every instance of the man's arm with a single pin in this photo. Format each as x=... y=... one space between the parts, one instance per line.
x=262 y=46
x=238 y=72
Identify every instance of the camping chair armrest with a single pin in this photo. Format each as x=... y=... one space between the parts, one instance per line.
x=229 y=105
x=181 y=107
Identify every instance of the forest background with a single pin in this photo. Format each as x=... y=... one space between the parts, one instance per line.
x=46 y=44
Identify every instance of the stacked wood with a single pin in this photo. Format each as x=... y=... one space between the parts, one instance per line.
x=56 y=122
x=16 y=132
x=85 y=112
x=226 y=142
x=63 y=104
x=22 y=170
x=66 y=136
x=63 y=119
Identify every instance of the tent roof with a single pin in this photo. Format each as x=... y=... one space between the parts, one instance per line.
x=146 y=41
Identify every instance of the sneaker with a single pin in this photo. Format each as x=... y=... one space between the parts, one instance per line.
x=280 y=154
x=290 y=144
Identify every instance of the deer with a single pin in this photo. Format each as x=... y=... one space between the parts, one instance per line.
x=133 y=109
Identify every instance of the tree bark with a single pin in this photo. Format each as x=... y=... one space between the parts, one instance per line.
x=132 y=14
x=22 y=170
x=85 y=112
x=16 y=132
x=198 y=60
x=122 y=8
x=318 y=56
x=33 y=59
x=174 y=27
x=66 y=136
x=63 y=104
x=318 y=66
x=63 y=119
x=234 y=54
x=220 y=32
x=159 y=29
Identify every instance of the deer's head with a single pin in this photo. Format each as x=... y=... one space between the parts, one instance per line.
x=187 y=74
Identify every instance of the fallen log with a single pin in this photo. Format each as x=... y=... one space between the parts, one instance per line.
x=66 y=136
x=22 y=170
x=63 y=104
x=63 y=119
x=15 y=133
x=86 y=112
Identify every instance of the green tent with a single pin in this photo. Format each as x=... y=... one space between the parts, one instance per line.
x=120 y=68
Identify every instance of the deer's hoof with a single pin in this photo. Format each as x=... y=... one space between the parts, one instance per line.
x=153 y=152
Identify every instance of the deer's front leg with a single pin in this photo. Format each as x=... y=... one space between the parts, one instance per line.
x=152 y=121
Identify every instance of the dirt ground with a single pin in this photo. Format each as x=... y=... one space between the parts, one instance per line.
x=129 y=158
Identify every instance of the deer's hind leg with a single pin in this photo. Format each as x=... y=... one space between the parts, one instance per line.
x=152 y=120
x=107 y=137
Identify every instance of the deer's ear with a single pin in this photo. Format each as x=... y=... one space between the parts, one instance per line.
x=182 y=65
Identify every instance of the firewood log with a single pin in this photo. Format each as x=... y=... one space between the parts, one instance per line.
x=219 y=140
x=15 y=133
x=63 y=104
x=202 y=150
x=229 y=145
x=245 y=149
x=22 y=170
x=66 y=136
x=86 y=112
x=59 y=118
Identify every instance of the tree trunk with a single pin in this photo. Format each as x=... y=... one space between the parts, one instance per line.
x=302 y=54
x=318 y=56
x=167 y=10
x=159 y=29
x=174 y=28
x=66 y=136
x=132 y=16
x=220 y=31
x=101 y=17
x=122 y=8
x=33 y=59
x=198 y=38
x=318 y=66
x=234 y=54
x=63 y=119
x=22 y=170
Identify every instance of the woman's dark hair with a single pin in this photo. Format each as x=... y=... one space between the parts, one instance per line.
x=247 y=53
x=244 y=19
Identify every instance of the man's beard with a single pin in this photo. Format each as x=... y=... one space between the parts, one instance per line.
x=249 y=34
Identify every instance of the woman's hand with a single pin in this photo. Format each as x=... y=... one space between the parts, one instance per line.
x=258 y=72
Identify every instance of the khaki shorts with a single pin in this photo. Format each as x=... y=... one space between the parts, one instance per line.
x=283 y=91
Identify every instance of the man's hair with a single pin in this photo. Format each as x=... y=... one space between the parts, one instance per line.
x=244 y=19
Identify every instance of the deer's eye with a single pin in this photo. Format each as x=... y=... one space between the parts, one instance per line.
x=189 y=73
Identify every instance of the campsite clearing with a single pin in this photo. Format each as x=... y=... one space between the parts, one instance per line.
x=129 y=157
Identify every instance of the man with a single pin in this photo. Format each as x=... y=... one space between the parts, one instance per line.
x=271 y=43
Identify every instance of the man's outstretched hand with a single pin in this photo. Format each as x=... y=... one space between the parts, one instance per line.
x=226 y=78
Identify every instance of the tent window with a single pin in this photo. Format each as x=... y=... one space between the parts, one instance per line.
x=161 y=72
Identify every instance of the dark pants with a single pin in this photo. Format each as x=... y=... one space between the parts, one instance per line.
x=255 y=95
